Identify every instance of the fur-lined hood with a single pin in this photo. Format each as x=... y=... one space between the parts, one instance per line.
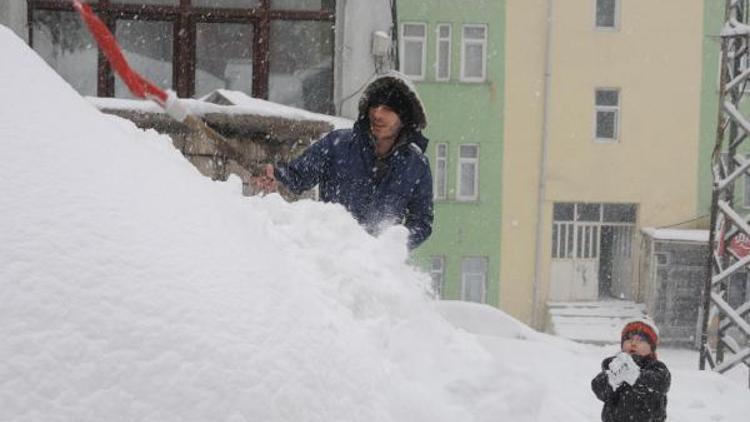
x=395 y=80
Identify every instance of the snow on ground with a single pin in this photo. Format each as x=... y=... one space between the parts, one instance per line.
x=132 y=288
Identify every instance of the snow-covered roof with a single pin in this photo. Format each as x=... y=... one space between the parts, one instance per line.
x=687 y=235
x=237 y=103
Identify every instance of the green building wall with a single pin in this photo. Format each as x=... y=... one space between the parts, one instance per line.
x=713 y=20
x=463 y=112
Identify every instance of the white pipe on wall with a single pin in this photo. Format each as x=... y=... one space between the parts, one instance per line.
x=536 y=321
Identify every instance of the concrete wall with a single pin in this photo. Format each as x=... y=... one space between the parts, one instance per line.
x=356 y=20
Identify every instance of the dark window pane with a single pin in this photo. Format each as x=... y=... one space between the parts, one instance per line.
x=474 y=33
x=474 y=276
x=570 y=236
x=414 y=30
x=224 y=55
x=474 y=61
x=588 y=212
x=555 y=239
x=579 y=237
x=619 y=213
x=440 y=174
x=605 y=124
x=301 y=61
x=562 y=212
x=413 y=57
x=605 y=13
x=147 y=46
x=468 y=151
x=607 y=97
x=443 y=56
x=302 y=4
x=468 y=180
x=226 y=3
x=65 y=44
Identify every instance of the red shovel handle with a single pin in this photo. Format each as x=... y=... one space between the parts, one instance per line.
x=138 y=85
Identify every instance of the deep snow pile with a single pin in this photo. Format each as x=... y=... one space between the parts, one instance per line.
x=132 y=288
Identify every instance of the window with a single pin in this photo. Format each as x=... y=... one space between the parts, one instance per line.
x=413 y=41
x=578 y=227
x=607 y=114
x=278 y=49
x=619 y=213
x=440 y=179
x=746 y=196
x=562 y=240
x=437 y=272
x=147 y=45
x=301 y=74
x=66 y=46
x=474 y=279
x=443 y=52
x=606 y=14
x=468 y=172
x=474 y=53
x=223 y=57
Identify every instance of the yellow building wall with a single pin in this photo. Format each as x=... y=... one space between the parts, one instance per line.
x=654 y=59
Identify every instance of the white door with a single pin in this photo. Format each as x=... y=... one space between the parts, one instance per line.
x=586 y=282
x=562 y=268
x=574 y=270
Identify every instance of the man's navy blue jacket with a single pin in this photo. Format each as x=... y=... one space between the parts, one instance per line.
x=396 y=189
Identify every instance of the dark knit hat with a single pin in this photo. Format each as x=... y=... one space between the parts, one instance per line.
x=642 y=326
x=395 y=99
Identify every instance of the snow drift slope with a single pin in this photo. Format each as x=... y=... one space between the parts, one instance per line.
x=135 y=289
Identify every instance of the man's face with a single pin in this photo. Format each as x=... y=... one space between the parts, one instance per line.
x=636 y=344
x=384 y=122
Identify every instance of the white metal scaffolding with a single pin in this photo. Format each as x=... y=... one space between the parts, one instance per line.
x=725 y=337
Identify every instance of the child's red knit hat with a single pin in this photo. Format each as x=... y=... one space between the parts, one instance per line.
x=643 y=326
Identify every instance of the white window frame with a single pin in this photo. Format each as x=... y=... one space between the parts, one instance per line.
x=605 y=108
x=422 y=40
x=438 y=41
x=438 y=272
x=616 y=18
x=475 y=161
x=746 y=188
x=465 y=276
x=464 y=43
x=441 y=173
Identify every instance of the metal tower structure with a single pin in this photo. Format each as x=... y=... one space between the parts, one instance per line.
x=725 y=337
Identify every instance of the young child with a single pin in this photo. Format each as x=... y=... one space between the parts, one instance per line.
x=633 y=384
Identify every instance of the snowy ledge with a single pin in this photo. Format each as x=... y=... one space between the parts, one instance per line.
x=677 y=234
x=231 y=109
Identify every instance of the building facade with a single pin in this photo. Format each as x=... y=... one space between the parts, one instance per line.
x=453 y=50
x=603 y=115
